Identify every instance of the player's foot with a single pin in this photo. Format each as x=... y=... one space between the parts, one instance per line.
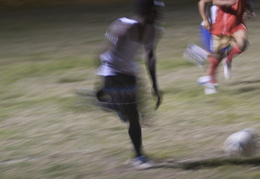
x=196 y=54
x=141 y=162
x=227 y=68
x=204 y=80
x=210 y=88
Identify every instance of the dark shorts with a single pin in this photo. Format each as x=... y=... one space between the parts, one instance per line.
x=119 y=91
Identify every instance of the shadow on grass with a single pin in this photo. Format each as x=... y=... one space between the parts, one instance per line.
x=246 y=82
x=208 y=163
x=248 y=88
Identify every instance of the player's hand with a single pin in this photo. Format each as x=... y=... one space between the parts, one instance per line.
x=251 y=14
x=158 y=95
x=206 y=24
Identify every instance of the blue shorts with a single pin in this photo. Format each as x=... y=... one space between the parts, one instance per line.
x=205 y=39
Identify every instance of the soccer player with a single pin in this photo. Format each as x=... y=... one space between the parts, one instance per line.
x=228 y=31
x=208 y=13
x=119 y=68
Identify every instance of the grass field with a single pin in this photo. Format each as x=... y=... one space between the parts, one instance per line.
x=48 y=132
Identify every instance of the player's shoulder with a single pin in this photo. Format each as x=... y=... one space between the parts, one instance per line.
x=126 y=20
x=123 y=24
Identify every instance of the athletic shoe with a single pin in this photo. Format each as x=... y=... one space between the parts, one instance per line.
x=196 y=54
x=227 y=68
x=141 y=162
x=204 y=80
x=210 y=88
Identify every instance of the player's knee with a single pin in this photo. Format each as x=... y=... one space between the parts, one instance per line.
x=215 y=58
x=243 y=46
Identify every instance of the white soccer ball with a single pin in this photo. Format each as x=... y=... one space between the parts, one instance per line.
x=241 y=143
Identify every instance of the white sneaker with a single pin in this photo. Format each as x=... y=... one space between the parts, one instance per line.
x=141 y=162
x=227 y=69
x=210 y=88
x=204 y=80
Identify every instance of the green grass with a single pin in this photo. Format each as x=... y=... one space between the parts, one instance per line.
x=48 y=131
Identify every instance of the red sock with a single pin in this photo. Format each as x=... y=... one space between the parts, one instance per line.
x=234 y=51
x=212 y=68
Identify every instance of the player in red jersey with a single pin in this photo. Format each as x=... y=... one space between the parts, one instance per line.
x=228 y=32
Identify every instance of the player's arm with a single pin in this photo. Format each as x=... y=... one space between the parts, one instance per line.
x=151 y=66
x=224 y=3
x=249 y=6
x=202 y=11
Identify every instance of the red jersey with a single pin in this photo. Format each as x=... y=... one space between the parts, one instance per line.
x=229 y=19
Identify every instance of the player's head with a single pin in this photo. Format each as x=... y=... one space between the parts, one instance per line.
x=150 y=10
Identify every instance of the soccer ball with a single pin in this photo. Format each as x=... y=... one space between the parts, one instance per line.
x=241 y=143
